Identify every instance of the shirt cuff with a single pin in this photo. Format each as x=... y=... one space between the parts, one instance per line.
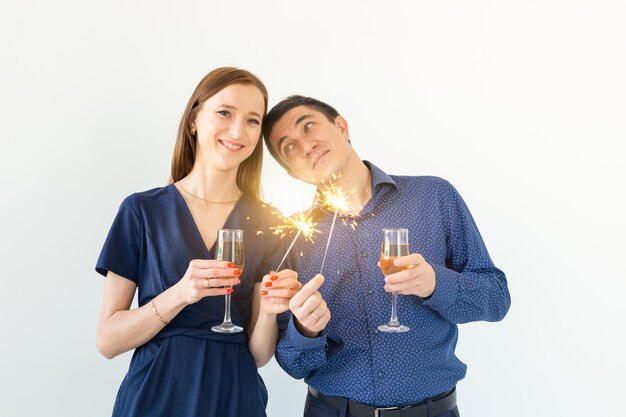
x=296 y=339
x=446 y=289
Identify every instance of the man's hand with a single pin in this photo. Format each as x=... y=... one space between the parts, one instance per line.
x=418 y=278
x=309 y=308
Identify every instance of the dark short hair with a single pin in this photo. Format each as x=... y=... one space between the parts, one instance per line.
x=279 y=110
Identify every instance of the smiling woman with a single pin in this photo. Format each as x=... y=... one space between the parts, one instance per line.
x=220 y=87
x=162 y=244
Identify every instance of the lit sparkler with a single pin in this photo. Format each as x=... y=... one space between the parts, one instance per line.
x=302 y=222
x=333 y=198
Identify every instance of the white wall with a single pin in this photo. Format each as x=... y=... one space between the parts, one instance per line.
x=521 y=105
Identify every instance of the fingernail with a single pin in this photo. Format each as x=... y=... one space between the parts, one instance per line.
x=263 y=292
x=231 y=265
x=237 y=281
x=237 y=271
x=229 y=290
x=274 y=277
x=268 y=284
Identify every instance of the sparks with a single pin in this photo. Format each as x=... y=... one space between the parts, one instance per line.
x=333 y=198
x=302 y=222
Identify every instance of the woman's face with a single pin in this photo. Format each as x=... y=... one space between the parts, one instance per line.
x=228 y=126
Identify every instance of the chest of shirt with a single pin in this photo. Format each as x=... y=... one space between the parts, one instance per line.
x=351 y=264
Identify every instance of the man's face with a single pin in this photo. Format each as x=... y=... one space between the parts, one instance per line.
x=312 y=147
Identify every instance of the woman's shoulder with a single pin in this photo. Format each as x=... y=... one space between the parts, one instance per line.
x=149 y=198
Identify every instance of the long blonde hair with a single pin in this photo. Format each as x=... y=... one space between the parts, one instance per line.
x=183 y=158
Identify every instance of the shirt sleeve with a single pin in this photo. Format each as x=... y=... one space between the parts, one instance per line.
x=298 y=355
x=122 y=248
x=469 y=286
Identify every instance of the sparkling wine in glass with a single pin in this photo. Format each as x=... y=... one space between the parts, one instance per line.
x=395 y=244
x=229 y=248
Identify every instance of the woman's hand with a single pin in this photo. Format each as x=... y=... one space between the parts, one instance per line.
x=276 y=289
x=206 y=278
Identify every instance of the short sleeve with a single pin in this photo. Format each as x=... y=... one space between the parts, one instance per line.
x=122 y=249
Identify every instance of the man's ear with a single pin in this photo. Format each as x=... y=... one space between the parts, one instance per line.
x=342 y=124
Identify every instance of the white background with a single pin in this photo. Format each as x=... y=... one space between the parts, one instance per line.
x=521 y=105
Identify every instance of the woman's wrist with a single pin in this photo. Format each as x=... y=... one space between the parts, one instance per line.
x=266 y=317
x=176 y=296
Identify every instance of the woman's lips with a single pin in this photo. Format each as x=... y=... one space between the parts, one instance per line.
x=231 y=146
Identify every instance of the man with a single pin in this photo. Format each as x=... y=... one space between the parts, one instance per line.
x=330 y=337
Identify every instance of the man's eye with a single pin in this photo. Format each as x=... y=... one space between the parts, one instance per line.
x=308 y=127
x=224 y=113
x=288 y=148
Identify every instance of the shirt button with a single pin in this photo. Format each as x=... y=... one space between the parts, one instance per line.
x=364 y=254
x=370 y=290
x=381 y=375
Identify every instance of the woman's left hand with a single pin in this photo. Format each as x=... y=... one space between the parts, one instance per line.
x=277 y=288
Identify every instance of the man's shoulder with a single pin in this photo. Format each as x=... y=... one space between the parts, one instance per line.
x=422 y=181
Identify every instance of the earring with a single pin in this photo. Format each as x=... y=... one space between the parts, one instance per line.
x=193 y=132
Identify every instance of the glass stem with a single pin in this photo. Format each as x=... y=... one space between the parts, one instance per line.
x=394 y=310
x=227 y=310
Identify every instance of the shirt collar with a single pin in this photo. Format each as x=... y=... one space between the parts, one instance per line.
x=379 y=177
x=379 y=180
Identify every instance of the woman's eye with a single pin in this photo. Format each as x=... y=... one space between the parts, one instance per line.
x=224 y=113
x=288 y=148
x=308 y=127
x=254 y=121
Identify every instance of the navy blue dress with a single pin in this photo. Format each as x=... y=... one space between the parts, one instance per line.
x=187 y=370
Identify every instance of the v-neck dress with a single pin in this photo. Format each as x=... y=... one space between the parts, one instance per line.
x=187 y=370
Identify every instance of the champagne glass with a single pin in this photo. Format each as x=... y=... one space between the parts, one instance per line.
x=395 y=244
x=229 y=248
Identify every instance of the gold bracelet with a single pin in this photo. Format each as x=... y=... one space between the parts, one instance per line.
x=156 y=312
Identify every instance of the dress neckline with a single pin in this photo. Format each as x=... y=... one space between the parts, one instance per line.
x=227 y=223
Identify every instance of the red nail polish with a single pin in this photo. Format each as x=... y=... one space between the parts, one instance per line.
x=237 y=271
x=229 y=290
x=268 y=284
x=274 y=277
x=231 y=265
x=263 y=292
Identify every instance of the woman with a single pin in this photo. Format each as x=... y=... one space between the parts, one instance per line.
x=162 y=243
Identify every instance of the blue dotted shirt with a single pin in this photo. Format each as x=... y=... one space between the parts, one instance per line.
x=352 y=358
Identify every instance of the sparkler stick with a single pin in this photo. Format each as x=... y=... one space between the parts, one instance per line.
x=332 y=226
x=333 y=198
x=293 y=242
x=300 y=221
